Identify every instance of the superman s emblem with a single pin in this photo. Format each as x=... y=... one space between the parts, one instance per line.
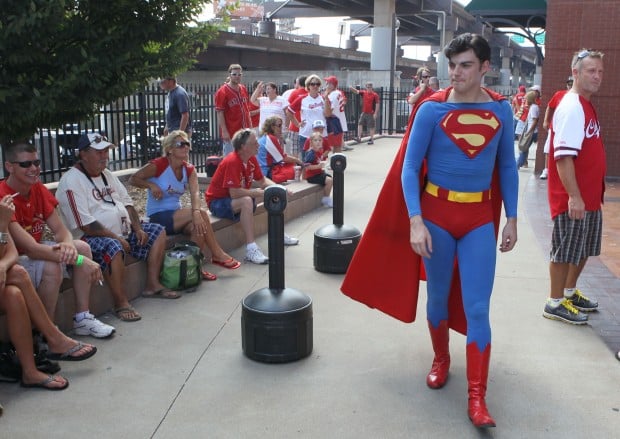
x=470 y=130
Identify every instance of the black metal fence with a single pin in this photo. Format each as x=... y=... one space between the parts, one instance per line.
x=135 y=124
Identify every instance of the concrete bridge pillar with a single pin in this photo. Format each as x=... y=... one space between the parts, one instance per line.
x=381 y=34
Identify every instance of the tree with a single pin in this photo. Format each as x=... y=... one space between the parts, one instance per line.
x=60 y=60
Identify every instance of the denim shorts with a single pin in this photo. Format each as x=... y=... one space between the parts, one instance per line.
x=222 y=208
x=166 y=219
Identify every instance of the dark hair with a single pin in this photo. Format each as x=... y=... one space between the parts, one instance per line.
x=17 y=147
x=302 y=81
x=464 y=42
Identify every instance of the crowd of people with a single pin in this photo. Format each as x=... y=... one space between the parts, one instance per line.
x=98 y=224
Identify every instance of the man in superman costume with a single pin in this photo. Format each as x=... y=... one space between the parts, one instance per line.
x=442 y=198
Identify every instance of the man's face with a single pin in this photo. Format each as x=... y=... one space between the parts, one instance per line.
x=588 y=75
x=235 y=76
x=251 y=145
x=424 y=76
x=94 y=160
x=466 y=71
x=164 y=84
x=369 y=87
x=24 y=169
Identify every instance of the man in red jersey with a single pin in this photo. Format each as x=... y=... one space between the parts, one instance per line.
x=231 y=106
x=370 y=110
x=577 y=167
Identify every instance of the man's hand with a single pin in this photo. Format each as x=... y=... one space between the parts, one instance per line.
x=419 y=237
x=66 y=252
x=124 y=243
x=141 y=236
x=576 y=208
x=509 y=235
x=92 y=270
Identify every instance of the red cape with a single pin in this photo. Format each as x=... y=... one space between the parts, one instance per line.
x=385 y=272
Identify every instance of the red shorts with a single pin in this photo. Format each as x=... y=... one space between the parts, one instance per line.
x=335 y=140
x=458 y=219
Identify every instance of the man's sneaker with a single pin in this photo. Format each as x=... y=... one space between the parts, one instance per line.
x=347 y=148
x=583 y=303
x=370 y=142
x=89 y=325
x=544 y=174
x=565 y=312
x=327 y=202
x=289 y=240
x=256 y=256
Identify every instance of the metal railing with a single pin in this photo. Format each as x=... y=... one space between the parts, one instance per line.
x=135 y=124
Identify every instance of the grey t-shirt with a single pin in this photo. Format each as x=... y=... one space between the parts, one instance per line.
x=177 y=103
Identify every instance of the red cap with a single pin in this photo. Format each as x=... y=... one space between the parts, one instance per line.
x=522 y=88
x=332 y=79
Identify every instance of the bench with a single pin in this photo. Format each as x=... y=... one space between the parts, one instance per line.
x=305 y=198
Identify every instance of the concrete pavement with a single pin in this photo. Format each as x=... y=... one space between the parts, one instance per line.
x=181 y=373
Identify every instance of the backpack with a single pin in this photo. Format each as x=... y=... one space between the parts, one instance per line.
x=182 y=267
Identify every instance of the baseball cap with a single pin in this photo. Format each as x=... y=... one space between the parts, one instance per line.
x=332 y=79
x=536 y=88
x=522 y=88
x=95 y=140
x=318 y=124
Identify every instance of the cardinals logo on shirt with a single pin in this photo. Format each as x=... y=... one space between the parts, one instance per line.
x=471 y=130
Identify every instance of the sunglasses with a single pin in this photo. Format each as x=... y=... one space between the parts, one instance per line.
x=583 y=54
x=236 y=74
x=28 y=163
x=425 y=76
x=314 y=84
x=279 y=125
x=182 y=144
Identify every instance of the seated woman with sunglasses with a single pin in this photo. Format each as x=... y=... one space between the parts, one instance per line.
x=270 y=149
x=167 y=178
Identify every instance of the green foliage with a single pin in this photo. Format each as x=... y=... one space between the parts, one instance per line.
x=62 y=59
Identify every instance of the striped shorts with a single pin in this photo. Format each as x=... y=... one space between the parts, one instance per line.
x=574 y=240
x=105 y=249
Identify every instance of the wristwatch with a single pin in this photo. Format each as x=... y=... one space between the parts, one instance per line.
x=4 y=238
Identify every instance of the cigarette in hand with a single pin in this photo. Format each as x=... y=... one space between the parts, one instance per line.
x=13 y=195
x=100 y=283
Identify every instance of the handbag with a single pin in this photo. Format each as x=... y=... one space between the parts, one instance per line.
x=526 y=139
x=281 y=172
x=182 y=267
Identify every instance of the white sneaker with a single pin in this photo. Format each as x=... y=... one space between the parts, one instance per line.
x=256 y=256
x=543 y=174
x=289 y=240
x=327 y=202
x=89 y=325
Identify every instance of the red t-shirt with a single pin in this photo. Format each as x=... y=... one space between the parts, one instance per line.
x=292 y=98
x=233 y=173
x=576 y=133
x=234 y=105
x=31 y=213
x=370 y=100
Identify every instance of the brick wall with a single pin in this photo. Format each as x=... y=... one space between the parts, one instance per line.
x=592 y=24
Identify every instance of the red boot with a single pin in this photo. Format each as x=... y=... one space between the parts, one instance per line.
x=477 y=374
x=440 y=337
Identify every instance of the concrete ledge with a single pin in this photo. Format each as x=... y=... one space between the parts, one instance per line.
x=306 y=197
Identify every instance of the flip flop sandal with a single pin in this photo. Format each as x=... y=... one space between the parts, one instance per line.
x=67 y=355
x=231 y=264
x=208 y=276
x=164 y=293
x=45 y=384
x=124 y=314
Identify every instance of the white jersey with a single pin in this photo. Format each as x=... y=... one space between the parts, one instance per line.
x=270 y=108
x=83 y=201
x=338 y=100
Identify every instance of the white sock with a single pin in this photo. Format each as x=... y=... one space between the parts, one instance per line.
x=79 y=316
x=554 y=302
x=568 y=292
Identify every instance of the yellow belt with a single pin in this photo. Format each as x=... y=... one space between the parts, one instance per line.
x=457 y=197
